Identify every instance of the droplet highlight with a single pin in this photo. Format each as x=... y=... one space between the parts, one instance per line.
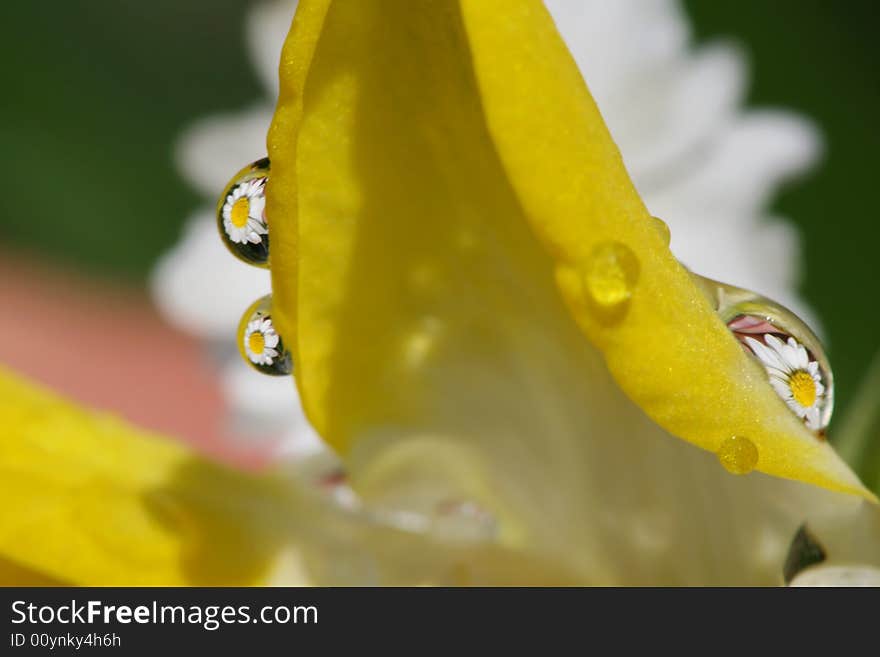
x=738 y=455
x=611 y=276
x=259 y=342
x=241 y=214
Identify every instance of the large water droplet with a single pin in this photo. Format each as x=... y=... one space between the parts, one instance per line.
x=738 y=455
x=784 y=345
x=259 y=342
x=610 y=278
x=241 y=214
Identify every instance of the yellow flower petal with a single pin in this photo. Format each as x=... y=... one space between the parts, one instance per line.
x=90 y=500
x=418 y=150
x=11 y=574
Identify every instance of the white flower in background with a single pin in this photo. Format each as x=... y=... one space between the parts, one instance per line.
x=260 y=340
x=242 y=212
x=701 y=162
x=793 y=375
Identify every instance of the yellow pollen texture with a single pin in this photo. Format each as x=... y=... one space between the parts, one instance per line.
x=256 y=342
x=803 y=388
x=240 y=211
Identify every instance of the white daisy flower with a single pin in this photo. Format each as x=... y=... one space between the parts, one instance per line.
x=260 y=341
x=794 y=376
x=243 y=212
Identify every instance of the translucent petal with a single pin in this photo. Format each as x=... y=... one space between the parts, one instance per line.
x=441 y=185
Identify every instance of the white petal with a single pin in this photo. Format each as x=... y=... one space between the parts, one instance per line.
x=782 y=388
x=799 y=354
x=778 y=374
x=785 y=355
x=812 y=416
x=199 y=287
x=257 y=226
x=848 y=576
x=213 y=149
x=668 y=119
x=767 y=355
x=258 y=204
x=616 y=43
x=746 y=165
x=799 y=410
x=267 y=26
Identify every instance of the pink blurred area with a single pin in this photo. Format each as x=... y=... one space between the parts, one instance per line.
x=105 y=346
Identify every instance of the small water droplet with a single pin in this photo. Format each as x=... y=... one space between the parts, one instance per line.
x=259 y=342
x=241 y=214
x=738 y=455
x=611 y=276
x=663 y=229
x=420 y=343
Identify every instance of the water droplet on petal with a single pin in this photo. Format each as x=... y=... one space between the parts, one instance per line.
x=610 y=278
x=241 y=214
x=259 y=342
x=791 y=354
x=738 y=455
x=663 y=229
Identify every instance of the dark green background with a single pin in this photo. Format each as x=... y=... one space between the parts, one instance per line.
x=96 y=91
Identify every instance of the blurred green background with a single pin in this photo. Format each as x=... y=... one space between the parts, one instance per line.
x=96 y=91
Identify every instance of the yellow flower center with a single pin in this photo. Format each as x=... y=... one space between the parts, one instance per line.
x=240 y=210
x=256 y=342
x=803 y=388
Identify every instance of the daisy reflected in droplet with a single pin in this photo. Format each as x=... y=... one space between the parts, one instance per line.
x=260 y=340
x=794 y=376
x=243 y=212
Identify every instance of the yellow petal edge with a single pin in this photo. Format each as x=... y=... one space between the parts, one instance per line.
x=667 y=351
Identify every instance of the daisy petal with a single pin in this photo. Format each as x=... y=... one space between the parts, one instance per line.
x=812 y=416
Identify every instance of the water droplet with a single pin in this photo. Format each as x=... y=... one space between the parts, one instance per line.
x=421 y=343
x=241 y=214
x=259 y=342
x=663 y=229
x=738 y=455
x=611 y=276
x=791 y=354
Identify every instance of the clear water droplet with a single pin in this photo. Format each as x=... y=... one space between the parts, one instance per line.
x=738 y=455
x=611 y=276
x=259 y=342
x=663 y=229
x=241 y=214
x=784 y=345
